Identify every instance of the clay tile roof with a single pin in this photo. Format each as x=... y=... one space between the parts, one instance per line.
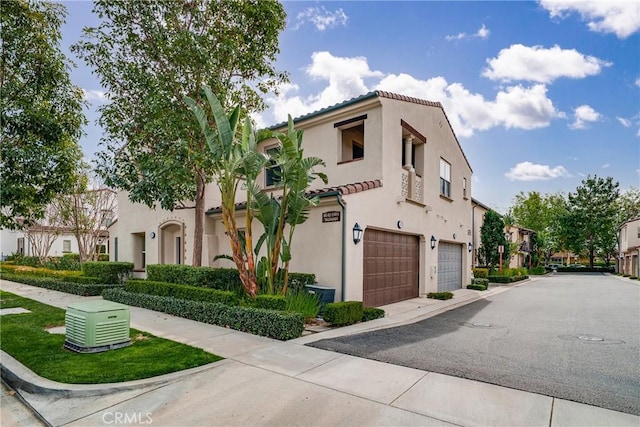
x=344 y=190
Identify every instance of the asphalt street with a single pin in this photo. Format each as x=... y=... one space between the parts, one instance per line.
x=572 y=336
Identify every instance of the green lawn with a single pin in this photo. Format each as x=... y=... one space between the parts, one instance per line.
x=24 y=337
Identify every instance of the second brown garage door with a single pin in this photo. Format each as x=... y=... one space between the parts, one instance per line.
x=391 y=267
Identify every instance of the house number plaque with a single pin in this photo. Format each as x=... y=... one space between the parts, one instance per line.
x=331 y=216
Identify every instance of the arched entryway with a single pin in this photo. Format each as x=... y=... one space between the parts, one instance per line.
x=172 y=243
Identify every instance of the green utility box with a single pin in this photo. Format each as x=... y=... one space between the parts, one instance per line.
x=95 y=326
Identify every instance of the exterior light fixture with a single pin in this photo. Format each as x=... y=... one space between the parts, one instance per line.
x=357 y=233
x=470 y=245
x=433 y=242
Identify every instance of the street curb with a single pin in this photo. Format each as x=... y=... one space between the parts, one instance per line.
x=21 y=378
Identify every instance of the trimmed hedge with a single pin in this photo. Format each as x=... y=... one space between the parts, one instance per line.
x=193 y=293
x=108 y=272
x=480 y=281
x=270 y=302
x=538 y=271
x=477 y=287
x=586 y=270
x=372 y=313
x=88 y=289
x=505 y=279
x=274 y=324
x=343 y=313
x=440 y=295
x=480 y=273
x=83 y=280
x=225 y=279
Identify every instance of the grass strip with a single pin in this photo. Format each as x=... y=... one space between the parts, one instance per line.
x=24 y=337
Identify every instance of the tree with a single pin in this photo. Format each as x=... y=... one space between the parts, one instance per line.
x=88 y=212
x=40 y=112
x=238 y=163
x=492 y=236
x=43 y=233
x=541 y=213
x=628 y=205
x=149 y=56
x=590 y=223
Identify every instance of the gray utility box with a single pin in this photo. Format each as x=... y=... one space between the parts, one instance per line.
x=325 y=294
x=95 y=326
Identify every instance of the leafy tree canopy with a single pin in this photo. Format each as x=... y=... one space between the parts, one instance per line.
x=41 y=111
x=492 y=236
x=149 y=56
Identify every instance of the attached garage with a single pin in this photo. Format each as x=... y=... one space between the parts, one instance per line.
x=449 y=266
x=391 y=267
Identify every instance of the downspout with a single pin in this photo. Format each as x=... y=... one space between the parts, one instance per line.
x=473 y=233
x=340 y=200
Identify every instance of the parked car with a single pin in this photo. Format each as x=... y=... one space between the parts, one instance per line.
x=554 y=266
x=577 y=266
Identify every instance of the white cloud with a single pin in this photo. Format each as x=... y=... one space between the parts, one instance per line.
x=605 y=166
x=513 y=107
x=582 y=115
x=345 y=77
x=95 y=95
x=538 y=64
x=638 y=82
x=527 y=171
x=482 y=33
x=624 y=122
x=621 y=18
x=321 y=18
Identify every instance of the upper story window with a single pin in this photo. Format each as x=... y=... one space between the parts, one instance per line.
x=272 y=172
x=445 y=178
x=638 y=232
x=464 y=187
x=351 y=139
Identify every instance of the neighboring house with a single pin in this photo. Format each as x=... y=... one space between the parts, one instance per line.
x=521 y=257
x=478 y=211
x=564 y=258
x=629 y=248
x=396 y=170
x=18 y=242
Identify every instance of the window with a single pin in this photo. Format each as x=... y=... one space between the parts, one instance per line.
x=638 y=232
x=66 y=246
x=272 y=171
x=115 y=249
x=464 y=187
x=21 y=245
x=351 y=139
x=445 y=178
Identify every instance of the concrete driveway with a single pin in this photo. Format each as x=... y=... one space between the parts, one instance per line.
x=571 y=336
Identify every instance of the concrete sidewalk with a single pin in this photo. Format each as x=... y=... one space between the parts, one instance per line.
x=269 y=382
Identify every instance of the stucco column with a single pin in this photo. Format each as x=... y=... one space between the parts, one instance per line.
x=408 y=142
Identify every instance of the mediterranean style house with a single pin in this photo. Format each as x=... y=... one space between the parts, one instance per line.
x=394 y=222
x=629 y=248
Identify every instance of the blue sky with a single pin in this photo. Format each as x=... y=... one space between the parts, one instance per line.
x=540 y=94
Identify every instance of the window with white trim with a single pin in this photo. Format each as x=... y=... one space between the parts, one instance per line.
x=445 y=178
x=66 y=246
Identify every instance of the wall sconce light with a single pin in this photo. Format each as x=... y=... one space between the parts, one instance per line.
x=433 y=242
x=357 y=233
x=470 y=245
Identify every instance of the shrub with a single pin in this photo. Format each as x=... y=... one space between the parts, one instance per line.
x=440 y=295
x=343 y=313
x=297 y=281
x=303 y=302
x=537 y=271
x=84 y=289
x=372 y=313
x=63 y=263
x=477 y=287
x=480 y=281
x=633 y=277
x=225 y=279
x=30 y=261
x=193 y=293
x=108 y=272
x=268 y=323
x=506 y=279
x=481 y=273
x=270 y=302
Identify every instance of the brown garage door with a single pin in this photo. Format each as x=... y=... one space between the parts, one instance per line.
x=391 y=267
